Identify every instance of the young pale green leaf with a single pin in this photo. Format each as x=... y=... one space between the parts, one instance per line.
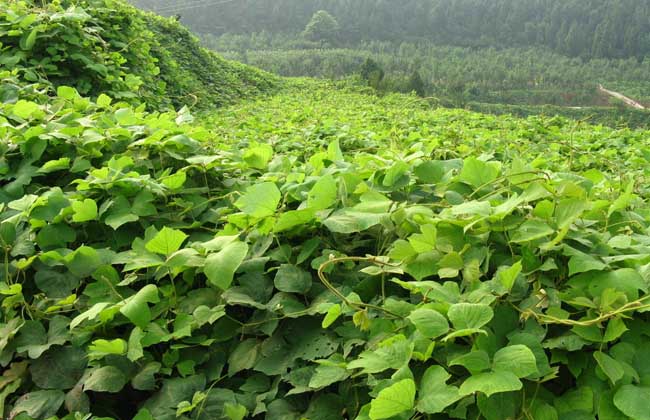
x=434 y=394
x=491 y=383
x=166 y=242
x=469 y=315
x=429 y=322
x=393 y=400
x=220 y=267
x=234 y=411
x=258 y=156
x=102 y=348
x=633 y=401
x=260 y=200
x=517 y=359
x=333 y=313
x=84 y=211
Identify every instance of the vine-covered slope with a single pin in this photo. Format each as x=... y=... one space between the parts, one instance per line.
x=108 y=46
x=322 y=254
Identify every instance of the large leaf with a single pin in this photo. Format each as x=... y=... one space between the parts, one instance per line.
x=38 y=404
x=517 y=359
x=434 y=394
x=220 y=267
x=469 y=315
x=491 y=383
x=393 y=400
x=166 y=242
x=260 y=200
x=633 y=401
x=429 y=322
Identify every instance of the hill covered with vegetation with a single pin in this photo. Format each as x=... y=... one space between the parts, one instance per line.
x=321 y=253
x=112 y=48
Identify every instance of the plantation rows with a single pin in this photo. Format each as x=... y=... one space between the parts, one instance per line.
x=320 y=254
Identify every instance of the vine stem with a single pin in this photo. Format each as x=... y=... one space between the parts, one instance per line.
x=360 y=306
x=628 y=307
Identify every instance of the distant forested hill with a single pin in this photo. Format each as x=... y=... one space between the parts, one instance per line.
x=585 y=28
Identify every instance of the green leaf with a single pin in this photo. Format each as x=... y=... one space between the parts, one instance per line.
x=166 y=242
x=333 y=313
x=84 y=211
x=491 y=383
x=508 y=276
x=475 y=361
x=393 y=400
x=235 y=411
x=59 y=368
x=38 y=404
x=531 y=230
x=105 y=379
x=393 y=353
x=434 y=393
x=327 y=374
x=477 y=172
x=469 y=315
x=104 y=100
x=258 y=156
x=293 y=218
x=292 y=279
x=568 y=211
x=260 y=200
x=29 y=39
x=425 y=241
x=613 y=369
x=220 y=267
x=429 y=322
x=633 y=401
x=323 y=194
x=517 y=359
x=615 y=328
x=351 y=221
x=136 y=308
x=67 y=92
x=102 y=348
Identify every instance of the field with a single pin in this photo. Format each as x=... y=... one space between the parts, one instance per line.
x=308 y=250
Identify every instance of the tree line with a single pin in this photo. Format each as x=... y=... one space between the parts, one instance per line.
x=578 y=28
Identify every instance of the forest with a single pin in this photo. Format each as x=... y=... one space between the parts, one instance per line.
x=577 y=28
x=188 y=237
x=488 y=55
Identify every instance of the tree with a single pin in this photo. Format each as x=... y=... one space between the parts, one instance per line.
x=372 y=73
x=322 y=27
x=416 y=84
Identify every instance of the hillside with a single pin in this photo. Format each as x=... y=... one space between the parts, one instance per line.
x=111 y=47
x=319 y=253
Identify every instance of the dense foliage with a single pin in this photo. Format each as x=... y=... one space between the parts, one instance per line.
x=331 y=255
x=105 y=46
x=321 y=254
x=585 y=28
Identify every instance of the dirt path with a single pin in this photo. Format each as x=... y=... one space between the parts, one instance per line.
x=628 y=101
